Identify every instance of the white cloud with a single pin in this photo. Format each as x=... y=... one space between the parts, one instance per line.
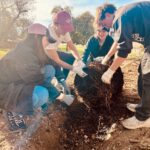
x=67 y=2
x=44 y=7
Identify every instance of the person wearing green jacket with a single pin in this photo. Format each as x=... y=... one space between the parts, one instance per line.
x=98 y=45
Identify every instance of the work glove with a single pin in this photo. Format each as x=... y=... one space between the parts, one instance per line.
x=98 y=59
x=107 y=76
x=65 y=88
x=61 y=85
x=54 y=81
x=80 y=63
x=67 y=99
x=105 y=60
x=78 y=70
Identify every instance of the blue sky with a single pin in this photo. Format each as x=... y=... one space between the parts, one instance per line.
x=43 y=7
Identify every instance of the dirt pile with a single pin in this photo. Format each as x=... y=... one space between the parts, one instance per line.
x=95 y=118
x=83 y=127
x=92 y=89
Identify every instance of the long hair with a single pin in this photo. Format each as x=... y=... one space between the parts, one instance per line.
x=35 y=42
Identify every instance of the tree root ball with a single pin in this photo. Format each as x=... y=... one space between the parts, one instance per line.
x=92 y=89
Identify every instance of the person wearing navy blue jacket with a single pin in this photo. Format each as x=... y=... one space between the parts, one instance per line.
x=98 y=45
x=130 y=23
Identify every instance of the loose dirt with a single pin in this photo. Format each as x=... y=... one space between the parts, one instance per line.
x=79 y=127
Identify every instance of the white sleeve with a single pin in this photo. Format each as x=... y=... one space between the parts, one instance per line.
x=52 y=46
x=67 y=37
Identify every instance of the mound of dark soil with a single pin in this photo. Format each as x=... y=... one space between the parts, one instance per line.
x=92 y=89
x=85 y=127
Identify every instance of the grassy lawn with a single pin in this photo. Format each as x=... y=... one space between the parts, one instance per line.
x=80 y=48
x=2 y=52
x=137 y=51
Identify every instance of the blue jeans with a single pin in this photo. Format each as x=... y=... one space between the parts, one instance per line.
x=49 y=74
x=40 y=96
x=68 y=58
x=47 y=92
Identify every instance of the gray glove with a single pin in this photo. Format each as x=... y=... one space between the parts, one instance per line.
x=67 y=99
x=65 y=88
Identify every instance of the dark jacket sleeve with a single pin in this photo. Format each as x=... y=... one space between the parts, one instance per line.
x=87 y=50
x=123 y=35
x=109 y=41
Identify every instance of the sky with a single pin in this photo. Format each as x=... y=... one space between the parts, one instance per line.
x=43 y=8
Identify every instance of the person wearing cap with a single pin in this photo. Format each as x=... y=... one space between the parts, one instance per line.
x=24 y=84
x=97 y=45
x=130 y=23
x=60 y=30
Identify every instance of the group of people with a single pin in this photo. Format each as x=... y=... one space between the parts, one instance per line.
x=28 y=72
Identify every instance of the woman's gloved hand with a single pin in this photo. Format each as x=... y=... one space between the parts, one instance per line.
x=107 y=76
x=78 y=70
x=80 y=63
x=67 y=99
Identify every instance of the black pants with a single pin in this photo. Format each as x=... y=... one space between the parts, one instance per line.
x=143 y=109
x=68 y=58
x=140 y=86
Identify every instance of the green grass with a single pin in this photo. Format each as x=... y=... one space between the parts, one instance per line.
x=3 y=52
x=80 y=48
x=137 y=51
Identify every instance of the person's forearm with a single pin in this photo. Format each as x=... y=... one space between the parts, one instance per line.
x=117 y=63
x=113 y=50
x=64 y=64
x=52 y=54
x=75 y=53
x=74 y=50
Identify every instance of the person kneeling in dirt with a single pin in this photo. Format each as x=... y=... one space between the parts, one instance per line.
x=130 y=23
x=22 y=77
x=98 y=45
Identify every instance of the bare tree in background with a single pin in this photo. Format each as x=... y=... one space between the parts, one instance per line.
x=14 y=18
x=83 y=28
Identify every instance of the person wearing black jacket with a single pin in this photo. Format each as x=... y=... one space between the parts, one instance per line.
x=130 y=23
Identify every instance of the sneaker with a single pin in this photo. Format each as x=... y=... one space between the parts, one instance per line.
x=15 y=121
x=133 y=123
x=131 y=107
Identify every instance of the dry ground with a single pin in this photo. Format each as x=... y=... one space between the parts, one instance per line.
x=68 y=129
